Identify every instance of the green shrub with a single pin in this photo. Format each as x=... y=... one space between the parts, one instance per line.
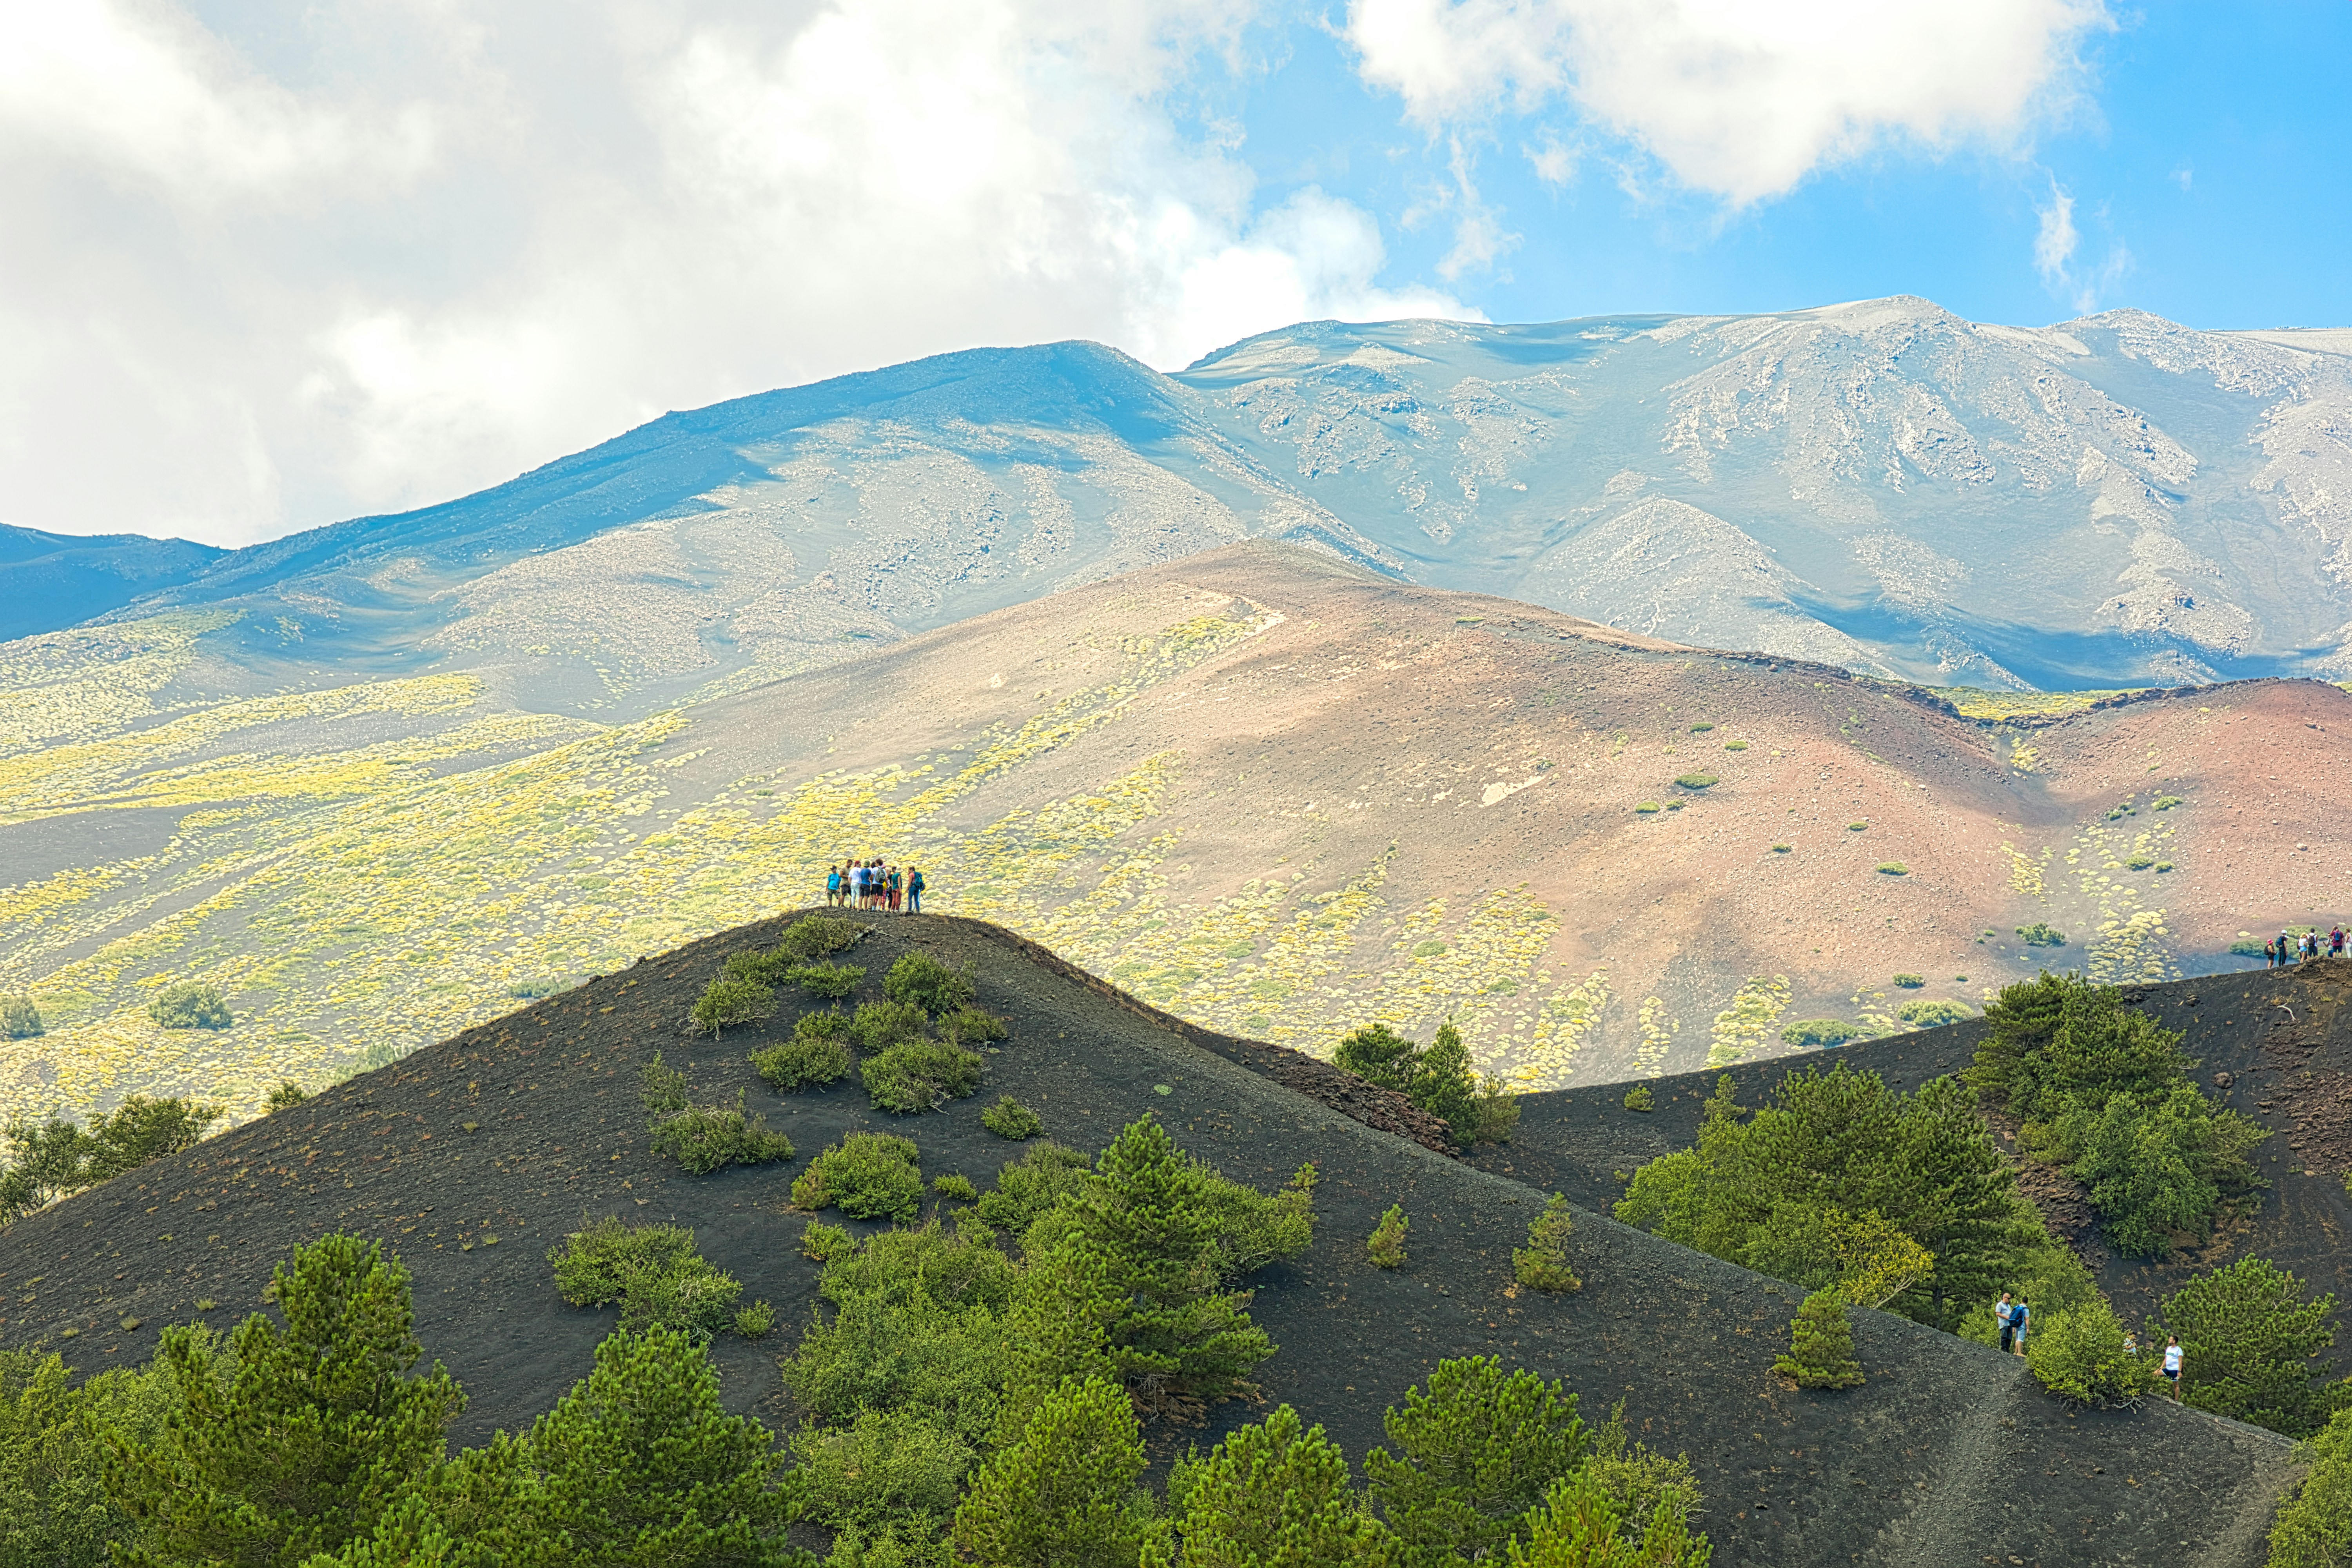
x=19 y=1019
x=1542 y=1264
x=885 y=1476
x=1645 y=808
x=1655 y=1498
x=972 y=1024
x=652 y=1270
x=1579 y=1522
x=763 y=970
x=755 y=1321
x=1893 y=869
x=827 y=982
x=1696 y=781
x=287 y=1094
x=1910 y=982
x=1640 y=1098
x=2247 y=947
x=1821 y=1344
x=2252 y=1348
x=1475 y=1455
x=1064 y=1491
x=727 y=1002
x=2039 y=934
x=818 y=1053
x=2079 y=1354
x=1857 y=827
x=1497 y=1112
x=1443 y=1085
x=880 y=1025
x=1025 y=1188
x=2313 y=1528
x=1008 y=1117
x=921 y=981
x=705 y=1138
x=867 y=1175
x=55 y=1444
x=662 y=1090
x=1735 y=745
x=2162 y=867
x=916 y=1076
x=1273 y=1491
x=190 y=1005
x=1931 y=1014
x=1378 y=1055
x=2166 y=802
x=1781 y=848
x=1819 y=1032
x=814 y=936
x=958 y=1188
x=1700 y=729
x=1386 y=1247
x=823 y=1242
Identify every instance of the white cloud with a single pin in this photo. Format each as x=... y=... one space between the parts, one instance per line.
x=2055 y=242
x=1740 y=99
x=412 y=246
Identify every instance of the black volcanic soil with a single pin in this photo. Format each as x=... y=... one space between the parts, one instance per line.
x=2275 y=1044
x=1949 y=1455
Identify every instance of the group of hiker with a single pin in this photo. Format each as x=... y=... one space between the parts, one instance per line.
x=872 y=885
x=2293 y=947
x=2014 y=1318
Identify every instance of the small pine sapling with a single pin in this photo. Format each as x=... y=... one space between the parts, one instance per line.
x=1387 y=1244
x=1821 y=1344
x=1380 y=1055
x=1008 y=1117
x=1064 y=1491
x=756 y=1321
x=1542 y=1264
x=286 y=1093
x=19 y=1019
x=1639 y=1098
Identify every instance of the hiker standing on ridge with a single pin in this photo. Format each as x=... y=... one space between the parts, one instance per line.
x=2016 y=1316
x=2172 y=1357
x=897 y=888
x=2002 y=1311
x=832 y=886
x=914 y=890
x=2335 y=943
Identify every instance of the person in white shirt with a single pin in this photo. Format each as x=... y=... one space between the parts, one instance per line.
x=2000 y=1315
x=2172 y=1359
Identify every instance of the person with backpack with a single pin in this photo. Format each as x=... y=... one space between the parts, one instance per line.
x=2002 y=1312
x=915 y=891
x=2173 y=1356
x=2335 y=943
x=2016 y=1316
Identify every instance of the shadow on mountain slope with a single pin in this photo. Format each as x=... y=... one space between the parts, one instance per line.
x=518 y=1127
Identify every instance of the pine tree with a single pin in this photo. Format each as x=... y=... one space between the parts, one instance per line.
x=312 y=1438
x=639 y=1463
x=1159 y=1237
x=1542 y=1264
x=2251 y=1342
x=1821 y=1344
x=1380 y=1055
x=1579 y=1525
x=1273 y=1494
x=1386 y=1247
x=1063 y=1494
x=1443 y=1085
x=1476 y=1453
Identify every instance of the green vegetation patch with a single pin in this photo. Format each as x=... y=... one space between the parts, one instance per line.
x=1696 y=781
x=54 y=1159
x=653 y=1271
x=19 y=1019
x=2040 y=935
x=916 y=1074
x=1645 y=807
x=190 y=1005
x=1640 y=1098
x=1437 y=1078
x=1893 y=869
x=1926 y=1015
x=1008 y=1117
x=1910 y=982
x=818 y=1053
x=918 y=980
x=867 y=1175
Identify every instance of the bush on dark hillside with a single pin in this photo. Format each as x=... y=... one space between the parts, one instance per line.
x=1008 y=1117
x=1579 y=1522
x=956 y=1187
x=260 y=1465
x=1641 y=1096
x=828 y=981
x=814 y=936
x=652 y=1270
x=1386 y=1245
x=1273 y=1491
x=1656 y=1498
x=662 y=1090
x=727 y=1002
x=1816 y=1032
x=1064 y=1491
x=971 y=1025
x=1025 y=1188
x=883 y=1480
x=879 y=1025
x=916 y=1076
x=1378 y=1055
x=190 y=1005
x=1542 y=1264
x=756 y=1321
x=2253 y=1348
x=821 y=1242
x=1821 y=1344
x=1443 y=1085
x=2079 y=1354
x=287 y=1095
x=1474 y=1455
x=764 y=970
x=818 y=1053
x=921 y=981
x=1498 y=1112
x=2313 y=1528
x=1932 y=1015
x=867 y=1175
x=704 y=1138
x=19 y=1019
x=56 y=1439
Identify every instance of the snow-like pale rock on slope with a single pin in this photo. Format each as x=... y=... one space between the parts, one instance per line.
x=2114 y=500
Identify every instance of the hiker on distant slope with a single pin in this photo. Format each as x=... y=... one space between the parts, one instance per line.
x=2335 y=943
x=831 y=886
x=2016 y=1316
x=914 y=890
x=2002 y=1311
x=2172 y=1357
x=898 y=887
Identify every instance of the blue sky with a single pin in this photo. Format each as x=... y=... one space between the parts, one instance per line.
x=271 y=263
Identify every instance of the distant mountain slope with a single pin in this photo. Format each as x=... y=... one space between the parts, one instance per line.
x=53 y=580
x=2117 y=500
x=1270 y=792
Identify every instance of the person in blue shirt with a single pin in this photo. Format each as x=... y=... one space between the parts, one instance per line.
x=915 y=891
